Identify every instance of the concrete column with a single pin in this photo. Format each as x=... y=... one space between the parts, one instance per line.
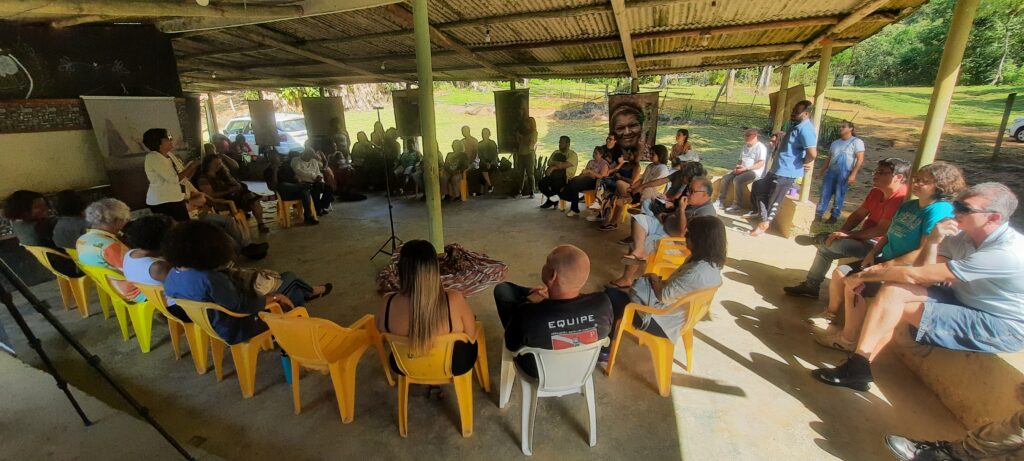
x=819 y=109
x=781 y=108
x=945 y=81
x=428 y=127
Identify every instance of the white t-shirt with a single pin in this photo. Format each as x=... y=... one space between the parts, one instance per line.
x=164 y=185
x=753 y=154
x=306 y=170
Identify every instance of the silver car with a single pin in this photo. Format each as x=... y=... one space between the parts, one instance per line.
x=291 y=131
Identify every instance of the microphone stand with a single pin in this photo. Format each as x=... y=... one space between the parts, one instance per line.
x=393 y=240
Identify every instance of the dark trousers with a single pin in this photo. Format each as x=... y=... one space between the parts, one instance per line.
x=322 y=195
x=767 y=193
x=619 y=301
x=507 y=298
x=552 y=184
x=525 y=168
x=291 y=191
x=571 y=192
x=176 y=210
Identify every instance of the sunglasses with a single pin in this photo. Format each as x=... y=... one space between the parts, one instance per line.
x=962 y=208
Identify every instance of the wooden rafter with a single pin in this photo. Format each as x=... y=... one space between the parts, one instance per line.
x=144 y=8
x=622 y=24
x=445 y=40
x=78 y=20
x=860 y=13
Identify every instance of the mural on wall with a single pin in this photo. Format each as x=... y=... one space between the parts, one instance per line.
x=407 y=112
x=633 y=119
x=118 y=124
x=511 y=110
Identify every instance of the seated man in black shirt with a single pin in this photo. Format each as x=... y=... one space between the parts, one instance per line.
x=554 y=315
x=281 y=178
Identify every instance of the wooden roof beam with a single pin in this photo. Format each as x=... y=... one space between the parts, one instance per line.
x=268 y=41
x=79 y=20
x=622 y=24
x=306 y=8
x=859 y=14
x=144 y=8
x=446 y=41
x=559 y=13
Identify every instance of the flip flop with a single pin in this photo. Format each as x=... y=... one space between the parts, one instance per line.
x=328 y=287
x=632 y=260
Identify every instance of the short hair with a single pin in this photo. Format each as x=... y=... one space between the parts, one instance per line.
x=706 y=239
x=560 y=138
x=949 y=179
x=692 y=170
x=806 y=106
x=751 y=131
x=705 y=182
x=69 y=203
x=628 y=108
x=853 y=128
x=19 y=204
x=897 y=165
x=1001 y=199
x=153 y=137
x=147 y=233
x=197 y=245
x=571 y=263
x=661 y=152
x=684 y=132
x=485 y=130
x=107 y=211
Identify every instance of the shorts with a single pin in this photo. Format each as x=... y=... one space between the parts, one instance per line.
x=870 y=289
x=655 y=231
x=948 y=324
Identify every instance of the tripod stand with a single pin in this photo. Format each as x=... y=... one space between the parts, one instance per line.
x=393 y=240
x=44 y=310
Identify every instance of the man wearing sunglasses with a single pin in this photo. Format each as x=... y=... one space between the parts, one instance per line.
x=964 y=292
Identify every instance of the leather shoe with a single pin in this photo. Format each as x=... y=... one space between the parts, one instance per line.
x=854 y=373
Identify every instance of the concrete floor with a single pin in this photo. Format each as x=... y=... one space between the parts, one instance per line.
x=751 y=395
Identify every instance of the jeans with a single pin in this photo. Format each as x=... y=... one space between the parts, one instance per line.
x=291 y=191
x=767 y=194
x=740 y=181
x=571 y=191
x=834 y=184
x=839 y=249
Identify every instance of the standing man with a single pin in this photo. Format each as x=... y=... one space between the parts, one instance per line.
x=561 y=167
x=846 y=155
x=795 y=157
x=487 y=153
x=873 y=217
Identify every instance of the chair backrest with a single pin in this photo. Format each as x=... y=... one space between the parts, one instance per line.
x=312 y=342
x=700 y=302
x=197 y=311
x=156 y=298
x=435 y=364
x=102 y=277
x=42 y=254
x=564 y=369
x=73 y=252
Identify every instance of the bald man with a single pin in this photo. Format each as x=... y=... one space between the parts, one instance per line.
x=553 y=315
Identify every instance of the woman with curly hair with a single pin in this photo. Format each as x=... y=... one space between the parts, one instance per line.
x=935 y=185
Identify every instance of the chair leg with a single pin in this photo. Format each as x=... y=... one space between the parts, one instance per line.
x=296 y=397
x=81 y=295
x=403 y=406
x=688 y=344
x=141 y=315
x=121 y=312
x=105 y=301
x=175 y=330
x=244 y=356
x=661 y=356
x=508 y=378
x=464 y=394
x=66 y=297
x=483 y=372
x=615 y=346
x=217 y=351
x=588 y=391
x=529 y=415
x=198 y=347
x=378 y=344
x=343 y=376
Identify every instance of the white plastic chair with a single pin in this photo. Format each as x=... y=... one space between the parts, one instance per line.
x=559 y=372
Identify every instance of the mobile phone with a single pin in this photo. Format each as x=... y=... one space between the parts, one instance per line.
x=845 y=270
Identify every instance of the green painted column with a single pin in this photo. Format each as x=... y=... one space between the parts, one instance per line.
x=428 y=127
x=819 y=109
x=945 y=81
x=780 y=109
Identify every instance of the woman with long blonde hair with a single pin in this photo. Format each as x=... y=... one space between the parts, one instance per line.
x=422 y=309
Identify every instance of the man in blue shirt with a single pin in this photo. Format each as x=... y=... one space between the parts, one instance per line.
x=964 y=291
x=795 y=156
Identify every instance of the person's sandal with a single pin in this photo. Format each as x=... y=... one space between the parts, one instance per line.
x=632 y=260
x=328 y=287
x=608 y=227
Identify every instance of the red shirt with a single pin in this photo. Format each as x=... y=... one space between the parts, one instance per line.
x=880 y=208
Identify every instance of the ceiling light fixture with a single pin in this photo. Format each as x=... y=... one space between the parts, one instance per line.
x=705 y=38
x=487 y=34
x=382 y=65
x=203 y=2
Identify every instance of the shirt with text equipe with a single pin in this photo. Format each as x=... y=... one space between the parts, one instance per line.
x=558 y=324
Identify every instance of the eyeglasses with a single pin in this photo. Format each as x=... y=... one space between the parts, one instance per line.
x=963 y=208
x=692 y=191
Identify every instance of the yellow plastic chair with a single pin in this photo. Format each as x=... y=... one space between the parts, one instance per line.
x=323 y=345
x=285 y=208
x=104 y=299
x=72 y=289
x=198 y=341
x=589 y=196
x=244 y=355
x=464 y=186
x=670 y=254
x=435 y=367
x=228 y=208
x=140 y=313
x=662 y=349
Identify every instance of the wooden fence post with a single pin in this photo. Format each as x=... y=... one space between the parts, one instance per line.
x=1002 y=124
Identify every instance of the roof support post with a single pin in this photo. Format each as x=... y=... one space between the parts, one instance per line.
x=819 y=109
x=780 y=103
x=512 y=84
x=945 y=81
x=428 y=128
x=634 y=85
x=622 y=23
x=211 y=117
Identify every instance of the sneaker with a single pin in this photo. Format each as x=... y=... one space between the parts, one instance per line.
x=595 y=218
x=833 y=338
x=809 y=240
x=603 y=356
x=733 y=209
x=310 y=221
x=909 y=449
x=608 y=227
x=831 y=220
x=854 y=373
x=548 y=204
x=804 y=289
x=572 y=214
x=751 y=214
x=817 y=218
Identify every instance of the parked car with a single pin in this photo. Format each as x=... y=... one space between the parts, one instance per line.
x=291 y=131
x=1017 y=129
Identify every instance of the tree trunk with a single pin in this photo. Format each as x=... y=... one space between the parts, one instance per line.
x=764 y=80
x=998 y=79
x=730 y=80
x=664 y=82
